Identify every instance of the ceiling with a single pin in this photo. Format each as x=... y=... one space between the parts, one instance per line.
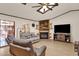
x=26 y=11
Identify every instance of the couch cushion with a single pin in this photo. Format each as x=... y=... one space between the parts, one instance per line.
x=24 y=43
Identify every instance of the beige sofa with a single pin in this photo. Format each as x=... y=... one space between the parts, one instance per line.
x=29 y=36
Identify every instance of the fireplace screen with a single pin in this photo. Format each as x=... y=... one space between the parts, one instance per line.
x=43 y=35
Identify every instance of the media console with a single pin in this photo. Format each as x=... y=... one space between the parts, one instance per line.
x=62 y=37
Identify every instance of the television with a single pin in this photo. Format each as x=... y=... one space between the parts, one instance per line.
x=64 y=28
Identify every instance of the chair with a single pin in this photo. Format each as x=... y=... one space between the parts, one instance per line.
x=22 y=48
x=76 y=47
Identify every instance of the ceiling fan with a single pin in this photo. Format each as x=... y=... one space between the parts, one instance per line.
x=44 y=7
x=46 y=4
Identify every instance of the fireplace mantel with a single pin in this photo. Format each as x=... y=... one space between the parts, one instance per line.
x=44 y=31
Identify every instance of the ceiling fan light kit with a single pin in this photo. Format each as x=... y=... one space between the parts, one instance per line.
x=46 y=7
x=43 y=9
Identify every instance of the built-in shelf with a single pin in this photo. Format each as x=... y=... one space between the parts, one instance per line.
x=44 y=25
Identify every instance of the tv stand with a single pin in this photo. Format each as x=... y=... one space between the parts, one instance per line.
x=62 y=37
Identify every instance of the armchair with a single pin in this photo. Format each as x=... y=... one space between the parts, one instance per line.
x=26 y=49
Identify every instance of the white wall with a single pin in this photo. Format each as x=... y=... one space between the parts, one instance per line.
x=71 y=18
x=18 y=23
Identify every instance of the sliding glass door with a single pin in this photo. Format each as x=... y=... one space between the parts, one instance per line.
x=6 y=27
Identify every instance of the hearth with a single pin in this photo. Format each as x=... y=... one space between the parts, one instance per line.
x=43 y=35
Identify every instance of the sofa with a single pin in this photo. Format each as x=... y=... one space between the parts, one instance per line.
x=24 y=36
x=29 y=36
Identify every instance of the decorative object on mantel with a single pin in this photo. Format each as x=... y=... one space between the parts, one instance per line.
x=33 y=25
x=44 y=7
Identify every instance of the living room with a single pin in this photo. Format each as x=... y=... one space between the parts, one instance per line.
x=23 y=18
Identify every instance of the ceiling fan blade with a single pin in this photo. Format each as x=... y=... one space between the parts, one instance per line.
x=35 y=6
x=24 y=3
x=41 y=3
x=50 y=5
x=56 y=4
x=47 y=3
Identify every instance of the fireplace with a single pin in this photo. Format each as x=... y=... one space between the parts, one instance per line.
x=43 y=35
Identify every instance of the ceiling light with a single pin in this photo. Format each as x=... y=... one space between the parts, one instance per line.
x=46 y=7
x=43 y=9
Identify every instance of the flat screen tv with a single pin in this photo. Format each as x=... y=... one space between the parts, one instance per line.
x=64 y=28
